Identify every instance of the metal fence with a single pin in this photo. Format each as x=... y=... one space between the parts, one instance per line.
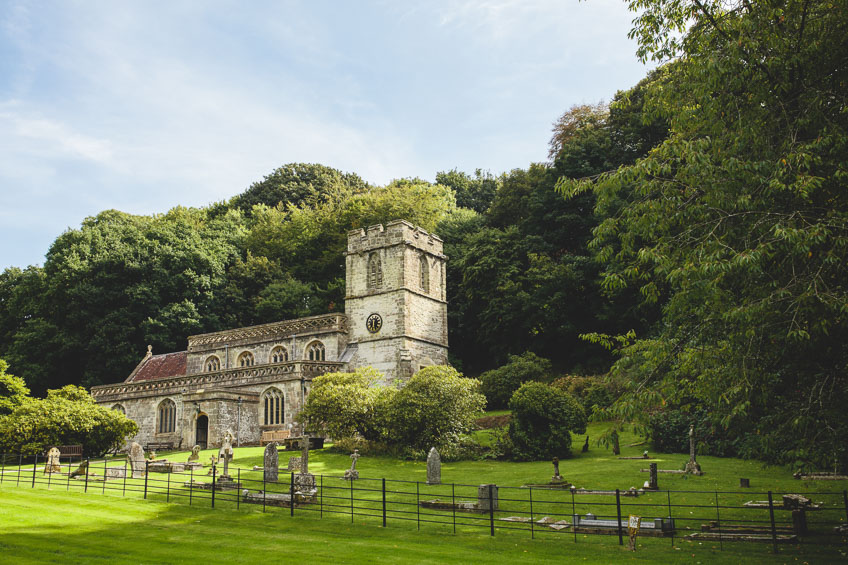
x=718 y=516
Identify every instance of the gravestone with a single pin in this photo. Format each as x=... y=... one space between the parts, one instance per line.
x=271 y=462
x=304 y=481
x=434 y=467
x=557 y=478
x=195 y=454
x=585 y=446
x=651 y=483
x=53 y=465
x=136 y=459
x=352 y=473
x=692 y=465
x=225 y=454
x=294 y=463
x=81 y=470
x=484 y=494
x=616 y=448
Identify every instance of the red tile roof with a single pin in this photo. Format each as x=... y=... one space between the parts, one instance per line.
x=161 y=367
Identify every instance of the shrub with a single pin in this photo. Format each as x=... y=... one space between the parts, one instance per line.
x=345 y=405
x=543 y=418
x=590 y=391
x=499 y=384
x=436 y=407
x=67 y=416
x=13 y=390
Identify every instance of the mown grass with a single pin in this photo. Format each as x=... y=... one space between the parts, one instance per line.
x=64 y=524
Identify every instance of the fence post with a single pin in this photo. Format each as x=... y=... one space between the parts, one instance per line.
x=291 y=494
x=49 y=476
x=238 y=490
x=491 y=511
x=264 y=488
x=384 y=502
x=718 y=522
x=670 y=519
x=351 y=500
x=214 y=475
x=845 y=499
x=68 y=485
x=618 y=510
x=417 y=505
x=20 y=463
x=771 y=517
x=453 y=503
x=34 y=465
x=321 y=497
x=190 y=484
x=168 y=489
x=573 y=515
x=87 y=463
x=532 y=532
x=146 y=465
x=104 y=475
x=2 y=468
x=124 y=489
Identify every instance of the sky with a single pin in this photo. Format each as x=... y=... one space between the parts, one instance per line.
x=142 y=106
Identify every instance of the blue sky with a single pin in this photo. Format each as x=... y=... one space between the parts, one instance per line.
x=142 y=106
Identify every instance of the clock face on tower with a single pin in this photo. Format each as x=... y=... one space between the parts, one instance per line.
x=374 y=323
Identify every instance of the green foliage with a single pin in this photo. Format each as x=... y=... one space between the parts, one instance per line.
x=345 y=405
x=475 y=193
x=737 y=225
x=543 y=418
x=590 y=391
x=13 y=390
x=67 y=416
x=436 y=407
x=499 y=384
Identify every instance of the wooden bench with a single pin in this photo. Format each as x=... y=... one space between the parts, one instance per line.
x=67 y=450
x=274 y=435
x=159 y=446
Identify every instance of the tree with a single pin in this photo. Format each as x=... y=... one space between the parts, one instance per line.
x=345 y=405
x=543 y=418
x=737 y=225
x=475 y=193
x=67 y=416
x=436 y=407
x=13 y=390
x=500 y=384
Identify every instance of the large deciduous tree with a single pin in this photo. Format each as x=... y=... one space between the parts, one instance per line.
x=738 y=223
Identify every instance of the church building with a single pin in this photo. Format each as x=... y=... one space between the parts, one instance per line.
x=255 y=379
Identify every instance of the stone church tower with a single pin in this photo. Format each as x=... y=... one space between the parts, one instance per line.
x=395 y=300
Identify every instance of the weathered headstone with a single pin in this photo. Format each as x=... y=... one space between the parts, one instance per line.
x=485 y=494
x=304 y=481
x=304 y=454
x=225 y=454
x=271 y=462
x=195 y=454
x=616 y=448
x=434 y=467
x=652 y=483
x=557 y=478
x=294 y=463
x=53 y=465
x=585 y=446
x=352 y=473
x=136 y=459
x=81 y=470
x=692 y=465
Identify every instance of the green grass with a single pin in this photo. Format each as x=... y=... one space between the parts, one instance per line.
x=38 y=525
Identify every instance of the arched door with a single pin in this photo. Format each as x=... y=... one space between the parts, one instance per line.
x=202 y=431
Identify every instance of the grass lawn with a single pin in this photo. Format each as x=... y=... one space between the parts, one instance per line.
x=61 y=524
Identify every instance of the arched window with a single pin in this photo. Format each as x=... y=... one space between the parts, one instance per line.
x=315 y=351
x=246 y=359
x=120 y=409
x=424 y=272
x=212 y=364
x=375 y=272
x=273 y=407
x=167 y=417
x=279 y=354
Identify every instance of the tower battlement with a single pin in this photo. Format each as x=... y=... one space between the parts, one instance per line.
x=396 y=232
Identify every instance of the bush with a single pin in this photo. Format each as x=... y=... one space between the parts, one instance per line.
x=590 y=391
x=669 y=433
x=499 y=384
x=543 y=418
x=345 y=405
x=436 y=407
x=67 y=416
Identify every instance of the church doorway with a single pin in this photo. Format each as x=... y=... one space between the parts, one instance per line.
x=201 y=433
